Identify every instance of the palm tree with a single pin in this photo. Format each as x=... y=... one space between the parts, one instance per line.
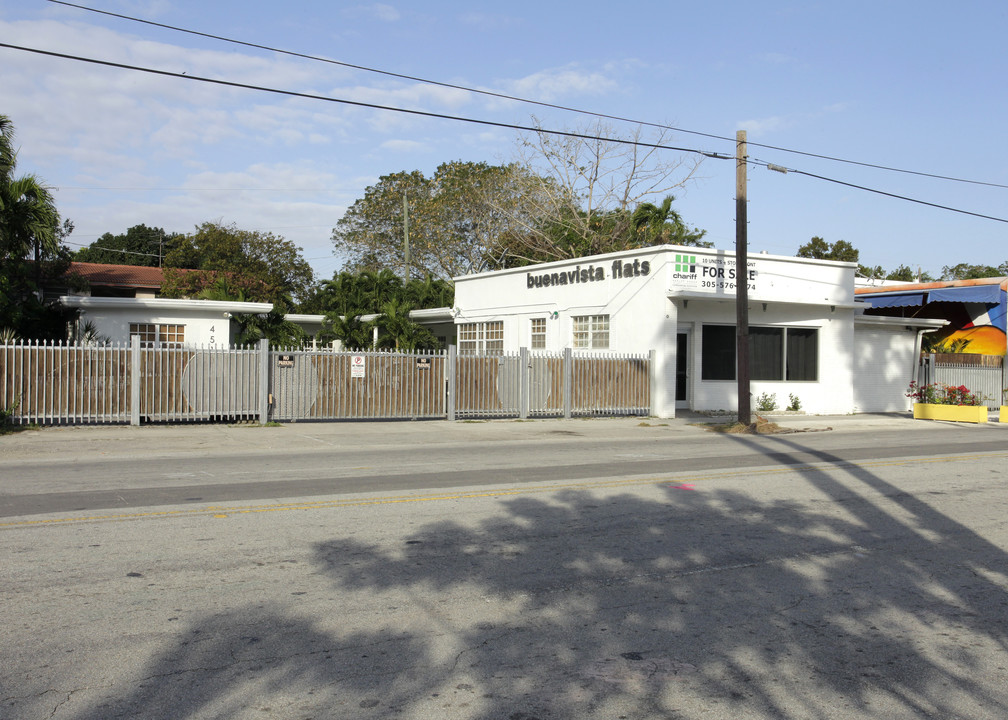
x=660 y=224
x=28 y=216
x=397 y=330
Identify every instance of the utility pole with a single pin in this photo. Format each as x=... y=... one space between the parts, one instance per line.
x=405 y=214
x=741 y=281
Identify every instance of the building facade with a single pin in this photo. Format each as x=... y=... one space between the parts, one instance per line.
x=808 y=335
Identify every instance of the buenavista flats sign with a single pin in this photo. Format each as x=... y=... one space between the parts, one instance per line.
x=620 y=269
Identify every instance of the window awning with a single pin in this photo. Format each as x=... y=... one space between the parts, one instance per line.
x=970 y=293
x=989 y=294
x=914 y=299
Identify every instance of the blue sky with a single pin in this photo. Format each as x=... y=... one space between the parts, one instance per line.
x=911 y=85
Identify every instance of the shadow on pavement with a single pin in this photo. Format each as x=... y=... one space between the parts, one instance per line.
x=858 y=600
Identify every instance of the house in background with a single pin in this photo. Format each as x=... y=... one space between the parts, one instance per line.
x=161 y=322
x=123 y=300
x=119 y=301
x=129 y=281
x=976 y=310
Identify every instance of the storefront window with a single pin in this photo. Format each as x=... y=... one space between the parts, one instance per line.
x=802 y=354
x=775 y=353
x=717 y=352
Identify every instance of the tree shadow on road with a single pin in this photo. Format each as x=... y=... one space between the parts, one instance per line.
x=850 y=599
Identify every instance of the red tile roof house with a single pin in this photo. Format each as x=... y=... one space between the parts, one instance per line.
x=122 y=300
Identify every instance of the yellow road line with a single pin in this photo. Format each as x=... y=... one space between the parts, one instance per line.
x=225 y=511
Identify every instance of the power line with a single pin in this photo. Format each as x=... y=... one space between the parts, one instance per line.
x=778 y=168
x=513 y=98
x=442 y=116
x=358 y=103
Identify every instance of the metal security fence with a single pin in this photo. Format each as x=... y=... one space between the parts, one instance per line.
x=49 y=384
x=982 y=374
x=327 y=385
x=526 y=384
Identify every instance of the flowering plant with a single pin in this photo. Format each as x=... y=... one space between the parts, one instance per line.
x=940 y=394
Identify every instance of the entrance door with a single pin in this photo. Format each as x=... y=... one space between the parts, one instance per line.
x=682 y=369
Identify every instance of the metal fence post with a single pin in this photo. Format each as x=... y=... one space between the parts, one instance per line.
x=135 y=380
x=524 y=370
x=653 y=383
x=568 y=382
x=264 y=389
x=450 y=380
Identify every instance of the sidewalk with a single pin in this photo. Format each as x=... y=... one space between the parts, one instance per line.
x=67 y=443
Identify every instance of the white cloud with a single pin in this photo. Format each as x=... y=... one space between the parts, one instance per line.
x=404 y=146
x=556 y=83
x=378 y=11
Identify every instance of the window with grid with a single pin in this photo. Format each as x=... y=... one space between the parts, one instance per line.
x=152 y=335
x=538 y=336
x=591 y=331
x=481 y=337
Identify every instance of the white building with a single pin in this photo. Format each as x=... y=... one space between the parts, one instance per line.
x=809 y=337
x=160 y=321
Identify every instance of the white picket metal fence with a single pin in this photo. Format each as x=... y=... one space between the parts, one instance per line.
x=50 y=384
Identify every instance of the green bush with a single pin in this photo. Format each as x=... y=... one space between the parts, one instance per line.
x=766 y=402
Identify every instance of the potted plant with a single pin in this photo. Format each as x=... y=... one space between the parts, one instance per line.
x=937 y=401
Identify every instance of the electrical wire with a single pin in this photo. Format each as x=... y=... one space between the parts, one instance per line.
x=442 y=116
x=513 y=98
x=778 y=168
x=358 y=103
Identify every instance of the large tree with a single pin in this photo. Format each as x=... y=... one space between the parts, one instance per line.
x=589 y=185
x=139 y=245
x=243 y=264
x=457 y=221
x=31 y=248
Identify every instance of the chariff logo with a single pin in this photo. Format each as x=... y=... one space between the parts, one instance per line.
x=685 y=264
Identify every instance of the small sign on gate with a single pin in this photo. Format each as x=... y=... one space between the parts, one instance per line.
x=357 y=366
x=423 y=363
x=286 y=361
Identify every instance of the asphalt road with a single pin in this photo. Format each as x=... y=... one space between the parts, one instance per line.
x=524 y=571
x=89 y=469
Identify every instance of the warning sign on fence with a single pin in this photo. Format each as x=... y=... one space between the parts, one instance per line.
x=357 y=365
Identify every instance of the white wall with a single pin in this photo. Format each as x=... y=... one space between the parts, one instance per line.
x=207 y=322
x=884 y=366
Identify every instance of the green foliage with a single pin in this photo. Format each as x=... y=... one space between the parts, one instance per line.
x=260 y=266
x=139 y=245
x=459 y=219
x=766 y=402
x=965 y=271
x=348 y=296
x=7 y=417
x=31 y=248
x=819 y=249
x=906 y=274
x=795 y=403
x=369 y=291
x=272 y=326
x=396 y=331
x=661 y=225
